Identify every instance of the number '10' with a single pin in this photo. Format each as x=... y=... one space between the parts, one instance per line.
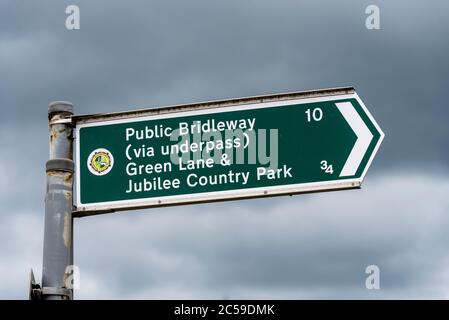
x=315 y=114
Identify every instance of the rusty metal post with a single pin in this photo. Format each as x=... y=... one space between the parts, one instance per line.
x=58 y=234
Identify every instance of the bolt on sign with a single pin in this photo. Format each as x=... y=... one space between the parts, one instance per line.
x=231 y=149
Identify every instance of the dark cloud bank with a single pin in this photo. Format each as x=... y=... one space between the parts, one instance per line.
x=137 y=54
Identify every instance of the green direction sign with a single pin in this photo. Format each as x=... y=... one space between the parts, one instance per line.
x=233 y=149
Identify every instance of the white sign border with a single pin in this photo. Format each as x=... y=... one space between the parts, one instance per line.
x=220 y=195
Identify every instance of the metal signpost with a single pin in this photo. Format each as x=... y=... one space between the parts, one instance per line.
x=58 y=237
x=231 y=149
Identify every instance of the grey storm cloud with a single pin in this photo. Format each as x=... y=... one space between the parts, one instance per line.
x=142 y=54
x=134 y=54
x=296 y=247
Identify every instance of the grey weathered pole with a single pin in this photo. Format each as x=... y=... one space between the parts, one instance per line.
x=58 y=234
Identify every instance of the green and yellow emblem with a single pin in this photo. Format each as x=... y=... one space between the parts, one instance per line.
x=100 y=162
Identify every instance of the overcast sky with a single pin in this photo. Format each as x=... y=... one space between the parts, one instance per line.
x=135 y=54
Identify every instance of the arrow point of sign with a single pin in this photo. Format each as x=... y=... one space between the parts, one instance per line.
x=364 y=138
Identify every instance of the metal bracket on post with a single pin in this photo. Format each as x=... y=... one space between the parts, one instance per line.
x=62 y=293
x=58 y=234
x=38 y=293
x=35 y=289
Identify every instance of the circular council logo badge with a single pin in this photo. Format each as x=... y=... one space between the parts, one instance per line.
x=100 y=162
